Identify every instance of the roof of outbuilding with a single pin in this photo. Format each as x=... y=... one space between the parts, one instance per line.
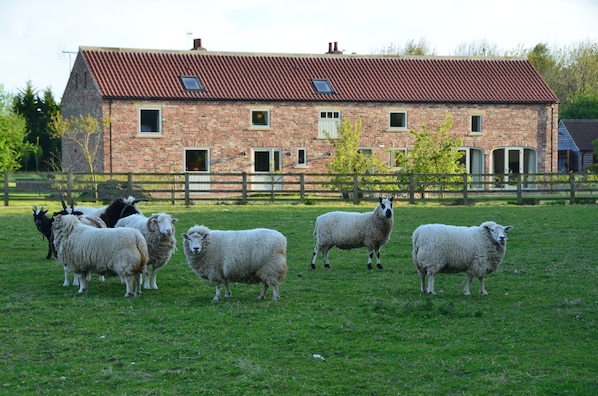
x=154 y=74
x=583 y=132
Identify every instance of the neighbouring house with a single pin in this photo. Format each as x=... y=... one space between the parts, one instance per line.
x=207 y=112
x=575 y=149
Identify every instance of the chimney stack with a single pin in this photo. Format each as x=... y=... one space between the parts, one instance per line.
x=334 y=50
x=197 y=45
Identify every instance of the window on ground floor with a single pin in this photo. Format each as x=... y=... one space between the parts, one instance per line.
x=473 y=161
x=510 y=161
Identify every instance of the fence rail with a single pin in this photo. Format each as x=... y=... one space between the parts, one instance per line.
x=243 y=188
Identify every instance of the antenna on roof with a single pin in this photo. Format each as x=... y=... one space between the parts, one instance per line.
x=62 y=55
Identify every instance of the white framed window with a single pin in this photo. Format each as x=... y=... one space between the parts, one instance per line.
x=301 y=157
x=260 y=118
x=328 y=120
x=397 y=119
x=197 y=164
x=267 y=160
x=510 y=161
x=397 y=158
x=476 y=123
x=473 y=161
x=150 y=121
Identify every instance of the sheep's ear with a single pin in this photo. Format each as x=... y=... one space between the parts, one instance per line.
x=390 y=199
x=184 y=236
x=380 y=198
x=507 y=228
x=174 y=219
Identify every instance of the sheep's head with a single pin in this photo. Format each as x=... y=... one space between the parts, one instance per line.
x=65 y=222
x=385 y=207
x=496 y=231
x=163 y=223
x=194 y=238
x=39 y=217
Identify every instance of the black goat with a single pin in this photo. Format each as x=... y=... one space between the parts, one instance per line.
x=44 y=225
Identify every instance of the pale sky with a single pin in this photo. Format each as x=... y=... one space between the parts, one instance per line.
x=34 y=34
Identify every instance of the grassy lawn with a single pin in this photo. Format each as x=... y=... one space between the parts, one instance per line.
x=338 y=331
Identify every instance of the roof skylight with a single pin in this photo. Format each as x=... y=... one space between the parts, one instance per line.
x=191 y=83
x=322 y=86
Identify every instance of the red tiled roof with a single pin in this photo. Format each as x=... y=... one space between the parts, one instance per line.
x=284 y=77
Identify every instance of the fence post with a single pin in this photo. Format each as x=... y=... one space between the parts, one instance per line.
x=302 y=188
x=244 y=188
x=355 y=190
x=465 y=189
x=187 y=197
x=572 y=188
x=69 y=186
x=129 y=183
x=411 y=188
x=519 y=190
x=6 y=189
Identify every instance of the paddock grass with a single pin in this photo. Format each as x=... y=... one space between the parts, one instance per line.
x=338 y=331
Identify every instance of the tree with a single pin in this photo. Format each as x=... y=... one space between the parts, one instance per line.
x=12 y=135
x=411 y=48
x=477 y=48
x=581 y=107
x=38 y=112
x=434 y=153
x=85 y=132
x=350 y=160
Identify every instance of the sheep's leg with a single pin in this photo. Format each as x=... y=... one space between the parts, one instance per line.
x=263 y=294
x=102 y=278
x=275 y=295
x=422 y=279
x=314 y=257
x=370 y=255
x=129 y=286
x=75 y=280
x=66 y=277
x=153 y=283
x=217 y=296
x=483 y=291
x=147 y=282
x=378 y=259
x=467 y=285
x=138 y=284
x=82 y=282
x=228 y=292
x=431 y=284
x=325 y=254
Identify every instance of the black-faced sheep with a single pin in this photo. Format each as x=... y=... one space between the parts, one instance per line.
x=106 y=251
x=246 y=256
x=158 y=231
x=348 y=230
x=118 y=209
x=476 y=250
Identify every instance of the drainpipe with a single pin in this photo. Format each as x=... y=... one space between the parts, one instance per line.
x=551 y=135
x=110 y=132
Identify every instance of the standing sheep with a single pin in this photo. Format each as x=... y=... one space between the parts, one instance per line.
x=348 y=230
x=476 y=250
x=106 y=251
x=246 y=256
x=158 y=231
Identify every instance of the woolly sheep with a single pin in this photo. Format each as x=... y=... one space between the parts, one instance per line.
x=158 y=231
x=476 y=250
x=106 y=251
x=246 y=256
x=348 y=230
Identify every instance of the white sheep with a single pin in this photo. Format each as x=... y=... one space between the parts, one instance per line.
x=158 y=231
x=476 y=250
x=349 y=230
x=106 y=251
x=246 y=256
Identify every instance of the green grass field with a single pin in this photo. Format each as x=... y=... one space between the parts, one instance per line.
x=338 y=331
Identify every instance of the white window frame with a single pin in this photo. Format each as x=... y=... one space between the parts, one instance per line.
x=304 y=163
x=476 y=121
x=397 y=128
x=328 y=120
x=140 y=127
x=260 y=126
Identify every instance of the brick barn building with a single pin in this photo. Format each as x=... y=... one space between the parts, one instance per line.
x=205 y=112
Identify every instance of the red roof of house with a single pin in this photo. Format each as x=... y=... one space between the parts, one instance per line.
x=147 y=74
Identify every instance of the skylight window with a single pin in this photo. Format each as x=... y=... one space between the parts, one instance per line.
x=191 y=83
x=322 y=86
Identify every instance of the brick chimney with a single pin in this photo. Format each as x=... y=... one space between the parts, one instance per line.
x=335 y=50
x=197 y=45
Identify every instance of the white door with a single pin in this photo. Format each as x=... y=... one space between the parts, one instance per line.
x=266 y=170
